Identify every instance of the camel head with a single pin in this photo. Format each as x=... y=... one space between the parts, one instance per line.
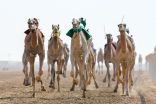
x=75 y=23
x=32 y=24
x=56 y=31
x=122 y=27
x=109 y=38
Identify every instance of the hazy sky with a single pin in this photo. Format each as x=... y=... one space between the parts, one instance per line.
x=140 y=17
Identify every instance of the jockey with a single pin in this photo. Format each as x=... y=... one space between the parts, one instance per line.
x=130 y=38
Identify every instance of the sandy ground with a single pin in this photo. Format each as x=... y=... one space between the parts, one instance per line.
x=12 y=91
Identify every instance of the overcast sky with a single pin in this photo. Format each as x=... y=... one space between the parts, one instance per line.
x=139 y=15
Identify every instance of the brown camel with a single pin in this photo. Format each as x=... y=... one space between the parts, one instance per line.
x=55 y=54
x=79 y=57
x=100 y=59
x=34 y=44
x=125 y=58
x=109 y=56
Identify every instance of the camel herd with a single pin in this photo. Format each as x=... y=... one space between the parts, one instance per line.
x=82 y=56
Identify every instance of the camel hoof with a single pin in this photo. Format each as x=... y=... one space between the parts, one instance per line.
x=58 y=72
x=108 y=85
x=72 y=89
x=76 y=82
x=113 y=79
x=96 y=85
x=115 y=90
x=26 y=82
x=83 y=96
x=42 y=88
x=33 y=95
x=51 y=86
x=127 y=94
x=104 y=80
x=38 y=78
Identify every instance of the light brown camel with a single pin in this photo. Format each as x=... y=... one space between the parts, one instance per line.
x=66 y=58
x=34 y=44
x=100 y=59
x=125 y=58
x=109 y=56
x=55 y=54
x=79 y=57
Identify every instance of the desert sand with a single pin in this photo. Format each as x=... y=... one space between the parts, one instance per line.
x=12 y=91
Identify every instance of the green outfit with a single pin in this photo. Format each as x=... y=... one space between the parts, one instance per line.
x=83 y=22
x=71 y=32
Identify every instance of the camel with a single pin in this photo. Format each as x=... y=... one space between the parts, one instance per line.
x=100 y=59
x=109 y=56
x=66 y=57
x=34 y=44
x=125 y=58
x=55 y=54
x=140 y=62
x=79 y=57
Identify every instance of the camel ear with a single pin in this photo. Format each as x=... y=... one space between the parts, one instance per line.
x=58 y=26
x=52 y=27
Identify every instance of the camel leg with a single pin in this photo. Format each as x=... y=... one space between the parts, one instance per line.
x=65 y=66
x=108 y=72
x=48 y=71
x=59 y=68
x=118 y=75
x=75 y=81
x=82 y=77
x=99 y=67
x=38 y=78
x=64 y=69
x=93 y=74
x=32 y=60
x=27 y=80
x=126 y=81
x=114 y=72
x=52 y=81
x=72 y=64
x=41 y=58
x=90 y=73
x=102 y=67
x=58 y=81
x=104 y=80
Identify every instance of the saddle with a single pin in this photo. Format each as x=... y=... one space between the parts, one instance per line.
x=28 y=31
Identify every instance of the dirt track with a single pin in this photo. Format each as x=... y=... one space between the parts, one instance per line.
x=12 y=91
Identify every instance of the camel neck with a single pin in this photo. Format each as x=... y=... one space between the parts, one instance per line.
x=123 y=41
x=34 y=39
